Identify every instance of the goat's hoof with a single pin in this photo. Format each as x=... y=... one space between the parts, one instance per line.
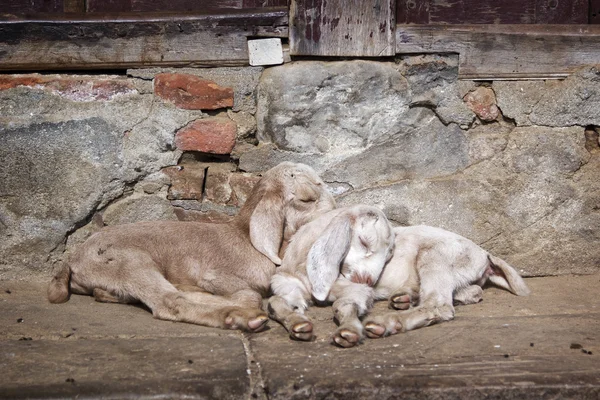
x=403 y=301
x=251 y=320
x=374 y=331
x=346 y=338
x=302 y=331
x=258 y=324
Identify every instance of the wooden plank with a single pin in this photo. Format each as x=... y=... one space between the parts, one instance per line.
x=492 y=11
x=412 y=11
x=178 y=5
x=561 y=11
x=20 y=7
x=363 y=28
x=594 y=14
x=506 y=51
x=74 y=6
x=136 y=40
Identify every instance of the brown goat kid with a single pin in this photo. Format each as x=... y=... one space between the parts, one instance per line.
x=202 y=273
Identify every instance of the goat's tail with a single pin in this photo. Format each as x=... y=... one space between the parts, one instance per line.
x=58 y=290
x=506 y=277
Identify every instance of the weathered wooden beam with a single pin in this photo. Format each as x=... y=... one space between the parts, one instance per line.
x=108 y=41
x=506 y=51
x=492 y=11
x=361 y=28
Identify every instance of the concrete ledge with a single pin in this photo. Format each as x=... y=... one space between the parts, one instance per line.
x=543 y=346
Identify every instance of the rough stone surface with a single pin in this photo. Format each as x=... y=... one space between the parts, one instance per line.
x=187 y=181
x=192 y=93
x=243 y=80
x=482 y=101
x=138 y=207
x=330 y=108
x=63 y=159
x=505 y=347
x=210 y=135
x=51 y=178
x=432 y=80
x=75 y=89
x=516 y=99
x=575 y=101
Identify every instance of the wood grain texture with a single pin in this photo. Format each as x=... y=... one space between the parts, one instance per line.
x=74 y=6
x=178 y=5
x=135 y=40
x=30 y=6
x=363 y=28
x=594 y=12
x=506 y=51
x=492 y=11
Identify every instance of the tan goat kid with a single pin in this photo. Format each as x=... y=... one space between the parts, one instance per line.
x=202 y=273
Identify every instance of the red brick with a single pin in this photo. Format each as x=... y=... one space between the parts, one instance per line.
x=210 y=135
x=191 y=92
x=186 y=182
x=72 y=88
x=483 y=103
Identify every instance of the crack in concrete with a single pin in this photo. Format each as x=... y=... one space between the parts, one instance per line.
x=258 y=389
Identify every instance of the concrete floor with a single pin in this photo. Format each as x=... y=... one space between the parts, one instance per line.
x=543 y=346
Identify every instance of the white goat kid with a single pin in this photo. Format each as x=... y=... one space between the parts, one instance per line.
x=336 y=258
x=431 y=270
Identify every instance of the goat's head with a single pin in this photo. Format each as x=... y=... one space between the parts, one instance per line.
x=287 y=196
x=357 y=244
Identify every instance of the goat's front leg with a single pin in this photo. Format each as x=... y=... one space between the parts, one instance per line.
x=352 y=300
x=287 y=306
x=298 y=325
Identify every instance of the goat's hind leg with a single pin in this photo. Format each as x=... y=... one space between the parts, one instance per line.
x=436 y=306
x=404 y=298
x=469 y=295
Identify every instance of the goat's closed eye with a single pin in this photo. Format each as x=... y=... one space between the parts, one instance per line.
x=366 y=243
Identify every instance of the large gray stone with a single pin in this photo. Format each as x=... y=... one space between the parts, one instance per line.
x=332 y=108
x=361 y=122
x=65 y=156
x=426 y=150
x=52 y=177
x=139 y=207
x=516 y=99
x=575 y=101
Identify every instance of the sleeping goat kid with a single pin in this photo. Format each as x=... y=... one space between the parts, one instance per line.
x=336 y=258
x=432 y=269
x=202 y=273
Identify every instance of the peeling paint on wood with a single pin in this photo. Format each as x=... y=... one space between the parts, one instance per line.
x=492 y=11
x=342 y=28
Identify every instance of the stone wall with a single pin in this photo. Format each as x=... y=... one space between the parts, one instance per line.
x=512 y=165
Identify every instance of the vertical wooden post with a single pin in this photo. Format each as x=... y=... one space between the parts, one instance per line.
x=361 y=28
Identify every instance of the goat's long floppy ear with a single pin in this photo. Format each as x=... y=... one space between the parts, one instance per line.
x=326 y=255
x=266 y=226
